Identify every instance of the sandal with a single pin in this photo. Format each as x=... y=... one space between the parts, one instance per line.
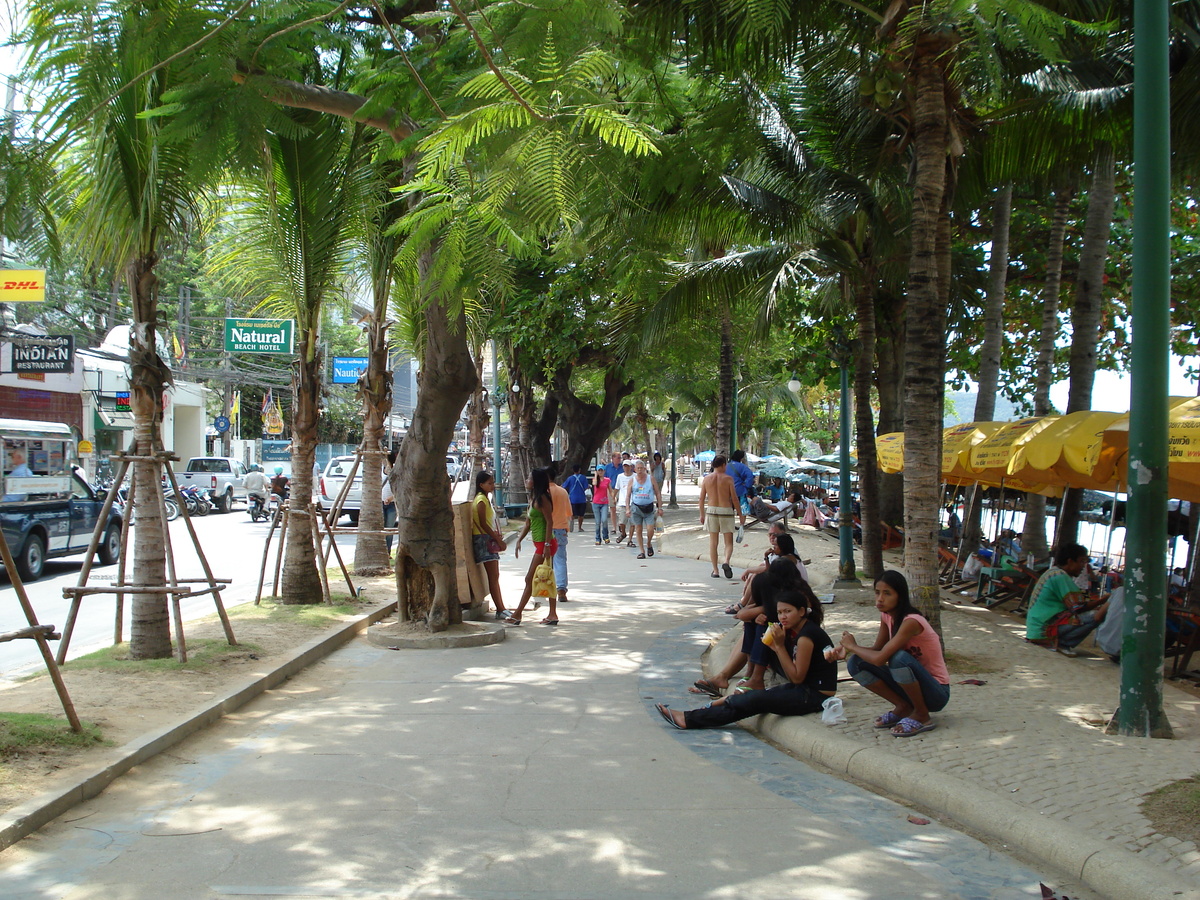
x=667 y=717
x=649 y=551
x=907 y=727
x=511 y=620
x=887 y=720
x=641 y=556
x=549 y=621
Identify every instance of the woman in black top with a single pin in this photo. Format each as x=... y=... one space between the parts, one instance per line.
x=799 y=644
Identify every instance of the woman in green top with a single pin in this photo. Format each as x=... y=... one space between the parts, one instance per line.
x=544 y=544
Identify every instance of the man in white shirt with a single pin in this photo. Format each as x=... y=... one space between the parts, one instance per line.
x=621 y=489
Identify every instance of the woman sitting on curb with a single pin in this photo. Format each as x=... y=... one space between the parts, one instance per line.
x=799 y=646
x=905 y=665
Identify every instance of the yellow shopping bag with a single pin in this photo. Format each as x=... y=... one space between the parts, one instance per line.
x=543 y=581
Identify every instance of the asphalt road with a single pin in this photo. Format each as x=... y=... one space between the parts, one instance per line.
x=232 y=544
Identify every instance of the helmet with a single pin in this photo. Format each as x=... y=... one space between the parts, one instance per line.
x=255 y=468
x=279 y=470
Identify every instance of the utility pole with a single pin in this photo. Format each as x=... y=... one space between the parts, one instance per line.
x=227 y=365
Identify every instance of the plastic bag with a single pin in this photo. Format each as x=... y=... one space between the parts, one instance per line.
x=659 y=525
x=543 y=581
x=832 y=712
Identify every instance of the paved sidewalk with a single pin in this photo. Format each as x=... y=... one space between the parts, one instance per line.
x=532 y=768
x=538 y=768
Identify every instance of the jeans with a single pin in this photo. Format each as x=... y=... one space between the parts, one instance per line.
x=903 y=668
x=560 y=560
x=784 y=700
x=600 y=511
x=1072 y=635
x=389 y=521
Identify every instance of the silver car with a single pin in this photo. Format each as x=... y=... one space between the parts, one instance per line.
x=331 y=483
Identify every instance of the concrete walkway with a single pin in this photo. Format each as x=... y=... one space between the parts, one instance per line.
x=538 y=768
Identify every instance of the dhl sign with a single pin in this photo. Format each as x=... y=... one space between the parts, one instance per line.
x=22 y=285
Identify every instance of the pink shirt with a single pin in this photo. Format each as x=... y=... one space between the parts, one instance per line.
x=926 y=646
x=600 y=491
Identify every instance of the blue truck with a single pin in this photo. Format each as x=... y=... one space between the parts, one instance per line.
x=47 y=509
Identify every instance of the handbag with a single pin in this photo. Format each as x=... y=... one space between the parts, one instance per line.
x=543 y=581
x=493 y=545
x=646 y=508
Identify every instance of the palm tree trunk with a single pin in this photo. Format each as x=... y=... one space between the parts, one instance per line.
x=925 y=323
x=868 y=467
x=1086 y=314
x=375 y=391
x=478 y=420
x=889 y=386
x=725 y=388
x=990 y=349
x=1033 y=537
x=425 y=559
x=150 y=634
x=301 y=579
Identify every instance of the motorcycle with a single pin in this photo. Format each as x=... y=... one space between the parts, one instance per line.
x=256 y=506
x=196 y=501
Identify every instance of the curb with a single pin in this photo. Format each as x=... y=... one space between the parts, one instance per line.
x=1109 y=870
x=23 y=820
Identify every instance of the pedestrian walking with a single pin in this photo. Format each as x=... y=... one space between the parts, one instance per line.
x=600 y=500
x=560 y=525
x=718 y=509
x=537 y=525
x=577 y=488
x=621 y=504
x=643 y=507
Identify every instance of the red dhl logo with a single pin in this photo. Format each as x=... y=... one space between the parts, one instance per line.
x=22 y=286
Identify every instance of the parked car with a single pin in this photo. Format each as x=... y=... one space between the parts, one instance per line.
x=220 y=476
x=455 y=468
x=331 y=482
x=48 y=509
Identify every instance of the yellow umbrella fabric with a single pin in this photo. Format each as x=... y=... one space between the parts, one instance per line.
x=890 y=450
x=989 y=459
x=1071 y=450
x=1183 y=453
x=957 y=443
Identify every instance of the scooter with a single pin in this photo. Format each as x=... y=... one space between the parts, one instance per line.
x=256 y=506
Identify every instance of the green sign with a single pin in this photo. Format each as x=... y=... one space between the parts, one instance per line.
x=259 y=335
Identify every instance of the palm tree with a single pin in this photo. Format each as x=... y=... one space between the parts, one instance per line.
x=134 y=191
x=291 y=248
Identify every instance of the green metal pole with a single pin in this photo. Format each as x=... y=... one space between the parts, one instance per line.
x=733 y=431
x=846 y=572
x=496 y=426
x=1141 y=711
x=674 y=419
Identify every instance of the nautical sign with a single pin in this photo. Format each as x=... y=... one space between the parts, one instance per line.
x=346 y=369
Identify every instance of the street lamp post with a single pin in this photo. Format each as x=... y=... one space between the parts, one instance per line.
x=673 y=417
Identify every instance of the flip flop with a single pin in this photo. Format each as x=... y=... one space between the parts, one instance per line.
x=641 y=556
x=887 y=720
x=667 y=717
x=715 y=575
x=704 y=686
x=649 y=551
x=727 y=569
x=907 y=727
x=549 y=621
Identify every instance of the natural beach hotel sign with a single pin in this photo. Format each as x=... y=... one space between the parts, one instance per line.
x=259 y=335
x=22 y=285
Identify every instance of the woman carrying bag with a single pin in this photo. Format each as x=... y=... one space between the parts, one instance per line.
x=537 y=524
x=486 y=542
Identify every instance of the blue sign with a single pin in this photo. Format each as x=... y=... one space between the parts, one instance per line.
x=221 y=423
x=346 y=369
x=276 y=451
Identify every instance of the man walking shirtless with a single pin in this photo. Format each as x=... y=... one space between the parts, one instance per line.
x=718 y=508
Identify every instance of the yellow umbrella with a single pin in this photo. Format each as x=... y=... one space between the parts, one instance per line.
x=957 y=443
x=890 y=449
x=989 y=459
x=1071 y=450
x=1183 y=453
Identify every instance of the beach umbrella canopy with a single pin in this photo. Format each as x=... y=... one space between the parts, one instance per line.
x=1183 y=449
x=775 y=466
x=705 y=456
x=1072 y=450
x=834 y=460
x=889 y=448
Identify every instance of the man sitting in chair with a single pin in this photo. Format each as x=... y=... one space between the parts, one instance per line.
x=1060 y=616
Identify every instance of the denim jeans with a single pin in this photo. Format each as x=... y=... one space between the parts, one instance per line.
x=600 y=511
x=1070 y=636
x=560 y=560
x=784 y=700
x=389 y=521
x=903 y=668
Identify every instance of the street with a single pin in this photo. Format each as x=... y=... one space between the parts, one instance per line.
x=232 y=543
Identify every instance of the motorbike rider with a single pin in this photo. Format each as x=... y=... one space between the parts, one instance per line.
x=279 y=484
x=255 y=483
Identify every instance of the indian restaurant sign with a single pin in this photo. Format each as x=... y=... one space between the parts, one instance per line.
x=259 y=335
x=52 y=353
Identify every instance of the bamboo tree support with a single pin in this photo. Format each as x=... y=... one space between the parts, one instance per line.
x=320 y=529
x=331 y=531
x=315 y=531
x=276 y=521
x=176 y=588
x=335 y=512
x=42 y=634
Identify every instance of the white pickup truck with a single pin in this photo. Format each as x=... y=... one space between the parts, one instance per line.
x=221 y=476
